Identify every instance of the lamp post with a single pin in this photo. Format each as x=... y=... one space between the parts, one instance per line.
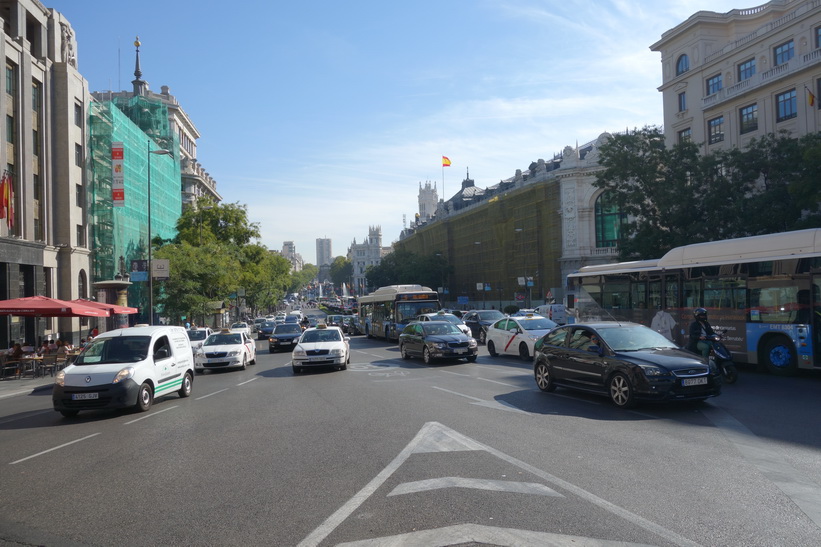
x=163 y=152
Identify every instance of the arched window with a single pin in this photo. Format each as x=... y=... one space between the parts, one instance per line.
x=82 y=285
x=609 y=220
x=682 y=65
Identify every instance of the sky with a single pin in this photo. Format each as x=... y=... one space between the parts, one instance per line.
x=324 y=117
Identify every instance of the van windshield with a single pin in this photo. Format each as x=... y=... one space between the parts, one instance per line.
x=119 y=349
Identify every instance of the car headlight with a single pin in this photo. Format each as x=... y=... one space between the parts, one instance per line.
x=60 y=379
x=124 y=374
x=533 y=337
x=650 y=370
x=472 y=343
x=298 y=353
x=337 y=352
x=439 y=345
x=234 y=353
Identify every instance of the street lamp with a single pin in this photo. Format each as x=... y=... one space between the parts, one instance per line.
x=162 y=152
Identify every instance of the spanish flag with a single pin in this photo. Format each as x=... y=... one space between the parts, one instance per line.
x=445 y=161
x=810 y=96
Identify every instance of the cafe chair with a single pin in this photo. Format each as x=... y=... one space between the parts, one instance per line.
x=27 y=366
x=8 y=367
x=49 y=363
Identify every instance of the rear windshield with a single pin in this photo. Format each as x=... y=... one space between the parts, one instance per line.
x=223 y=339
x=197 y=335
x=119 y=349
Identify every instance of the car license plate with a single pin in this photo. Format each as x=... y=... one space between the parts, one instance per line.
x=462 y=350
x=316 y=359
x=694 y=381
x=84 y=396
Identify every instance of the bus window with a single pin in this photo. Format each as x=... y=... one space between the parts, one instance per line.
x=774 y=304
x=616 y=295
x=671 y=294
x=692 y=294
x=724 y=293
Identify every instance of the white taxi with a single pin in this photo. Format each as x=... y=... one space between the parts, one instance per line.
x=322 y=346
x=517 y=335
x=225 y=349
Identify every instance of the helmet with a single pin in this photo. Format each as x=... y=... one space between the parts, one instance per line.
x=700 y=313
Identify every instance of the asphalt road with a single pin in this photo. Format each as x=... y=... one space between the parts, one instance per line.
x=392 y=452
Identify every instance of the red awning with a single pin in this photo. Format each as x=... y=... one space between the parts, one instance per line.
x=43 y=306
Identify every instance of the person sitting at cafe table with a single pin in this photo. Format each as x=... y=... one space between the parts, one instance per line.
x=28 y=348
x=52 y=346
x=16 y=352
x=43 y=349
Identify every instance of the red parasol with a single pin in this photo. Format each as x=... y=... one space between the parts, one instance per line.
x=43 y=306
x=114 y=308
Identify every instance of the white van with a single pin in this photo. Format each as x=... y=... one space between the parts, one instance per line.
x=554 y=312
x=126 y=368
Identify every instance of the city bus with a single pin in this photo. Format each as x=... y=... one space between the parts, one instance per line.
x=385 y=312
x=764 y=291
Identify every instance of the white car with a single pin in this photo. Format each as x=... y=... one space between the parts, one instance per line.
x=197 y=337
x=517 y=335
x=225 y=349
x=449 y=317
x=322 y=346
x=241 y=326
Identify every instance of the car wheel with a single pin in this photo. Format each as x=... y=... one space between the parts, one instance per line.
x=621 y=391
x=426 y=357
x=348 y=359
x=779 y=357
x=187 y=385
x=199 y=371
x=254 y=360
x=404 y=352
x=524 y=353
x=297 y=369
x=472 y=359
x=244 y=362
x=543 y=378
x=144 y=398
x=491 y=348
x=482 y=336
x=69 y=413
x=343 y=367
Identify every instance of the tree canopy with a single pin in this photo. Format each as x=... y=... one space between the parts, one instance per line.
x=402 y=267
x=673 y=196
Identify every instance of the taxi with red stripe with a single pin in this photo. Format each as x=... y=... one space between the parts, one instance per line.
x=517 y=335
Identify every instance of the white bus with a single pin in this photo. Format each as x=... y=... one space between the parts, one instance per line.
x=386 y=311
x=765 y=291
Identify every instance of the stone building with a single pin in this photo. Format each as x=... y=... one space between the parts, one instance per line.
x=731 y=77
x=366 y=254
x=44 y=246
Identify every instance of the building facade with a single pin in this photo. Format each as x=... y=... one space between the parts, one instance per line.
x=364 y=255
x=324 y=254
x=731 y=77
x=290 y=254
x=44 y=245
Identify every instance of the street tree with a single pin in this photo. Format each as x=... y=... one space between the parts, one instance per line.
x=341 y=271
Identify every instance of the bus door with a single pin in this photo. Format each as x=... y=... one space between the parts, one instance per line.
x=815 y=318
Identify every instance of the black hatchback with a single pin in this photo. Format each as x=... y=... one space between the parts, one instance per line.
x=627 y=362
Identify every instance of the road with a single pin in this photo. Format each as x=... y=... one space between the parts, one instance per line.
x=393 y=452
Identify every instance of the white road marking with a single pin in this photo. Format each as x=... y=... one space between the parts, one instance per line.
x=55 y=448
x=210 y=394
x=434 y=437
x=248 y=381
x=485 y=535
x=152 y=414
x=499 y=405
x=475 y=484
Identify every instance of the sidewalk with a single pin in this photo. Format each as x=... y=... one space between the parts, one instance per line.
x=10 y=387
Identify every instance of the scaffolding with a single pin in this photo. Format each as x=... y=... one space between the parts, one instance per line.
x=141 y=124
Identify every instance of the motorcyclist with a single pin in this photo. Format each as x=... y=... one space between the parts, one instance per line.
x=305 y=323
x=700 y=332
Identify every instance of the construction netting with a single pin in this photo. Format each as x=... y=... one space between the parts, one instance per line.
x=142 y=125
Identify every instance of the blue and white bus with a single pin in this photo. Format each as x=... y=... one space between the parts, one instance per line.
x=765 y=291
x=386 y=311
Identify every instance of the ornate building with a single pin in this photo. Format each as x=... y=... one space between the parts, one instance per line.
x=366 y=254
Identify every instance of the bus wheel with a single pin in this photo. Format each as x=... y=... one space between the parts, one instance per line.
x=779 y=357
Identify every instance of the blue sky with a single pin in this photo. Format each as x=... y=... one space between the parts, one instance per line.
x=323 y=117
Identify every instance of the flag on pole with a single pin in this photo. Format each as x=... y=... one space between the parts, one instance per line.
x=3 y=196
x=810 y=96
x=9 y=201
x=445 y=161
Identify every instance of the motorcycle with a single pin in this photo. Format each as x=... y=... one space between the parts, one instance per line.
x=722 y=358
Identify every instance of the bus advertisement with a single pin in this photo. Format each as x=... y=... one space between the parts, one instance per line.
x=764 y=291
x=385 y=312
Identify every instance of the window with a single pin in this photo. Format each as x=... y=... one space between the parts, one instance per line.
x=9 y=128
x=818 y=37
x=715 y=130
x=609 y=218
x=35 y=96
x=78 y=155
x=684 y=135
x=38 y=187
x=682 y=101
x=79 y=195
x=746 y=70
x=783 y=53
x=682 y=65
x=78 y=115
x=786 y=105
x=748 y=116
x=11 y=79
x=35 y=142
x=714 y=84
x=81 y=235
